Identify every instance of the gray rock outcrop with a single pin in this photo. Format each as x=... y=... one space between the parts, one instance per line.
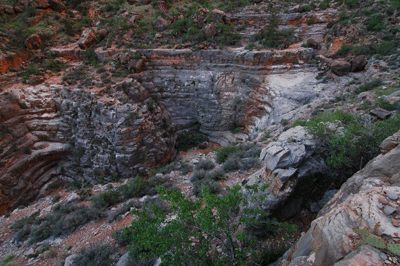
x=363 y=202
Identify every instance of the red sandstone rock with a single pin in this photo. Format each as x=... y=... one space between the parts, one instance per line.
x=33 y=41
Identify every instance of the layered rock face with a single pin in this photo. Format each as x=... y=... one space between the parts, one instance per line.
x=366 y=207
x=52 y=132
x=33 y=140
x=218 y=89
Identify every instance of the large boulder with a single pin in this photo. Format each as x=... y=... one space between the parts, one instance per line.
x=8 y=9
x=87 y=39
x=33 y=41
x=358 y=63
x=41 y=4
x=57 y=5
x=340 y=67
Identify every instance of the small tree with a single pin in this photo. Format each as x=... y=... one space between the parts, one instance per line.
x=203 y=232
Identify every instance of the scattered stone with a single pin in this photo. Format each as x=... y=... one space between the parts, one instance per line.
x=31 y=251
x=87 y=39
x=383 y=256
x=313 y=44
x=124 y=260
x=285 y=174
x=383 y=201
x=136 y=66
x=391 y=195
x=218 y=16
x=19 y=8
x=388 y=210
x=395 y=223
x=161 y=23
x=211 y=30
x=381 y=113
x=102 y=33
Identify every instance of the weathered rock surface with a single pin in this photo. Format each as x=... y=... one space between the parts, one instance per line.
x=331 y=240
x=88 y=37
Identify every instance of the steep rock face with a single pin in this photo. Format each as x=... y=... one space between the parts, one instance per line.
x=367 y=201
x=112 y=139
x=32 y=141
x=49 y=132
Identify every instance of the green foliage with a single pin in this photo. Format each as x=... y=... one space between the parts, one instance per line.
x=90 y=57
x=352 y=3
x=351 y=139
x=344 y=50
x=106 y=199
x=375 y=241
x=324 y=4
x=30 y=70
x=136 y=187
x=68 y=27
x=368 y=86
x=224 y=152
x=385 y=104
x=95 y=255
x=189 y=139
x=54 y=65
x=375 y=23
x=394 y=248
x=191 y=237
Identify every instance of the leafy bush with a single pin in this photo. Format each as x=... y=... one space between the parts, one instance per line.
x=385 y=104
x=201 y=225
x=95 y=255
x=351 y=140
x=189 y=139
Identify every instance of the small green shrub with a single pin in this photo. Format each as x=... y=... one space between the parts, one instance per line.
x=136 y=187
x=368 y=86
x=224 y=152
x=375 y=23
x=216 y=175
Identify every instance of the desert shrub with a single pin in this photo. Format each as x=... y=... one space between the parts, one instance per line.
x=106 y=199
x=224 y=152
x=189 y=139
x=185 y=168
x=198 y=175
x=95 y=255
x=63 y=220
x=205 y=165
x=136 y=187
x=169 y=168
x=210 y=184
x=54 y=65
x=68 y=27
x=344 y=50
x=368 y=86
x=89 y=56
x=216 y=175
x=114 y=215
